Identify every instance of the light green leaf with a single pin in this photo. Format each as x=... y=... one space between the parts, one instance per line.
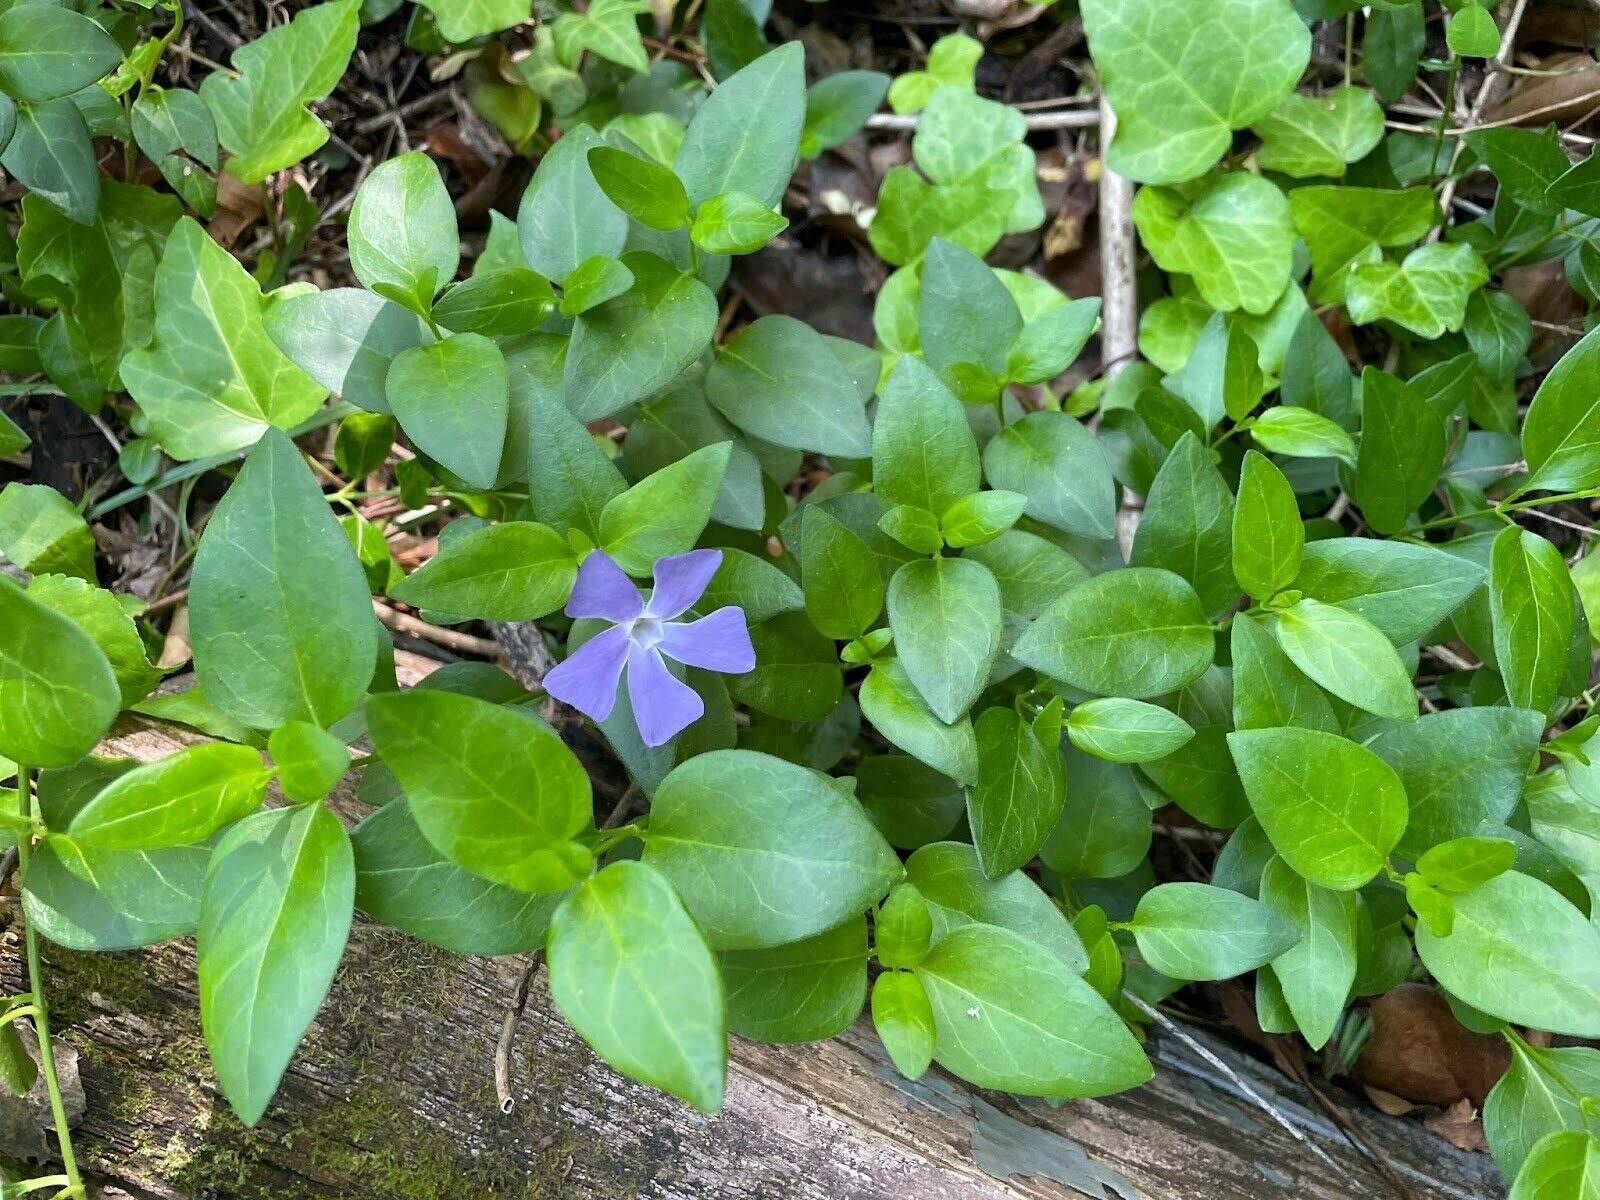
x=402 y=232
x=1126 y=731
x=1426 y=293
x=1136 y=632
x=1465 y=863
x=462 y=21
x=735 y=223
x=945 y=613
x=1316 y=974
x=99 y=614
x=1521 y=952
x=1301 y=433
x=308 y=760
x=114 y=899
x=1181 y=82
x=1532 y=607
x=280 y=615
x=1346 y=654
x=896 y=710
x=1561 y=435
x=1318 y=135
x=1403 y=589
x=1472 y=32
x=260 y=106
x=1332 y=808
x=1195 y=931
x=903 y=1019
x=953 y=59
x=512 y=571
x=274 y=916
x=1268 y=689
x=965 y=141
x=1059 y=466
x=1345 y=226
x=42 y=532
x=664 y=512
x=211 y=380
x=647 y=191
x=452 y=399
x=633 y=975
x=508 y=301
x=1016 y=800
x=1234 y=236
x=1533 y=1099
x=609 y=28
x=1268 y=535
x=802 y=992
x=1562 y=1166
x=57 y=691
x=174 y=801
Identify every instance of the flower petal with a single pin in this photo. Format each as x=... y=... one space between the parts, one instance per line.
x=602 y=590
x=681 y=579
x=719 y=642
x=587 y=679
x=663 y=706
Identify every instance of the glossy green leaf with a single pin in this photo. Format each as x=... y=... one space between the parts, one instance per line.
x=309 y=760
x=565 y=218
x=1187 y=525
x=1531 y=605
x=42 y=532
x=452 y=399
x=945 y=614
x=647 y=191
x=512 y=571
x=1195 y=931
x=174 y=801
x=801 y=992
x=1561 y=434
x=58 y=694
x=664 y=512
x=1126 y=731
x=923 y=451
x=1234 y=237
x=1402 y=451
x=1346 y=226
x=1319 y=135
x=344 y=338
x=1017 y=798
x=1402 y=588
x=1345 y=653
x=896 y=710
x=745 y=137
x=1315 y=975
x=1426 y=293
x=1268 y=535
x=735 y=223
x=1056 y=463
x=402 y=231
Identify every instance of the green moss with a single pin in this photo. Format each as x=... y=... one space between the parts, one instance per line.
x=71 y=975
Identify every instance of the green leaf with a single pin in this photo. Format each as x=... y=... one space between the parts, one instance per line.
x=260 y=106
x=911 y=212
x=638 y=343
x=1195 y=931
x=1346 y=226
x=1234 y=236
x=647 y=191
x=765 y=852
x=796 y=676
x=1318 y=135
x=779 y=380
x=964 y=141
x=42 y=532
x=981 y=517
x=902 y=929
x=1403 y=589
x=945 y=613
x=58 y=694
x=923 y=451
x=1426 y=293
x=1562 y=1166
x=802 y=992
x=593 y=282
x=281 y=619
x=1461 y=768
x=951 y=879
x=1017 y=797
x=1268 y=535
x=1126 y=731
x=754 y=584
x=745 y=136
x=1533 y=1099
x=1031 y=571
x=953 y=59
x=1561 y=435
x=664 y=512
x=452 y=399
x=1187 y=526
x=462 y=21
x=113 y=899
x=903 y=1019
x=1298 y=432
x=50 y=52
x=492 y=788
x=1525 y=162
x=570 y=479
x=896 y=710
x=1222 y=375
x=565 y=218
x=509 y=301
x=1348 y=655
x=403 y=881
x=51 y=154
x=344 y=338
x=174 y=801
x=274 y=916
x=1040 y=1030
x=102 y=616
x=837 y=106
x=1465 y=863
x=18 y=1071
x=966 y=316
x=1316 y=376
x=1268 y=689
x=1499 y=330
x=843 y=588
x=1531 y=602
x=1057 y=464
x=1332 y=808
x=735 y=223
x=1177 y=109
x=1050 y=340
x=309 y=761
x=512 y=571
x=911 y=803
x=1135 y=632
x=1314 y=975
x=211 y=380
x=402 y=231
x=633 y=975
x=609 y=28
x=1105 y=826
x=176 y=131
x=1402 y=451
x=1521 y=952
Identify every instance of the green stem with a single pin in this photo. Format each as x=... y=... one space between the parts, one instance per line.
x=1504 y=507
x=41 y=1018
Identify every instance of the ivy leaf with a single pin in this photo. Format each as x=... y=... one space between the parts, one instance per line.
x=1426 y=293
x=765 y=852
x=176 y=130
x=491 y=787
x=402 y=232
x=633 y=975
x=953 y=59
x=609 y=28
x=779 y=380
x=452 y=399
x=911 y=212
x=1346 y=654
x=802 y=992
x=1332 y=808
x=1136 y=632
x=1314 y=975
x=1040 y=1030
x=1402 y=451
x=1519 y=951
x=1531 y=602
x=274 y=917
x=57 y=691
x=281 y=618
x=1056 y=463
x=1346 y=226
x=1307 y=136
x=462 y=21
x=211 y=380
x=1195 y=931
x=965 y=141
x=43 y=533
x=261 y=111
x=1561 y=434
x=1234 y=236
x=1176 y=104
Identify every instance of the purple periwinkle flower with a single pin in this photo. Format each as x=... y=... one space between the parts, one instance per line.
x=640 y=634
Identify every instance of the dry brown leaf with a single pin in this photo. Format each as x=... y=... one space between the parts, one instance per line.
x=238 y=208
x=1420 y=1052
x=1571 y=93
x=1388 y=1102
x=1459 y=1125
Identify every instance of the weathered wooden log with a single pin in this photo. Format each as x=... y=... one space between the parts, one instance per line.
x=392 y=1096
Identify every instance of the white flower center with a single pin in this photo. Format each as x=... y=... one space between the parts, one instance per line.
x=644 y=632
